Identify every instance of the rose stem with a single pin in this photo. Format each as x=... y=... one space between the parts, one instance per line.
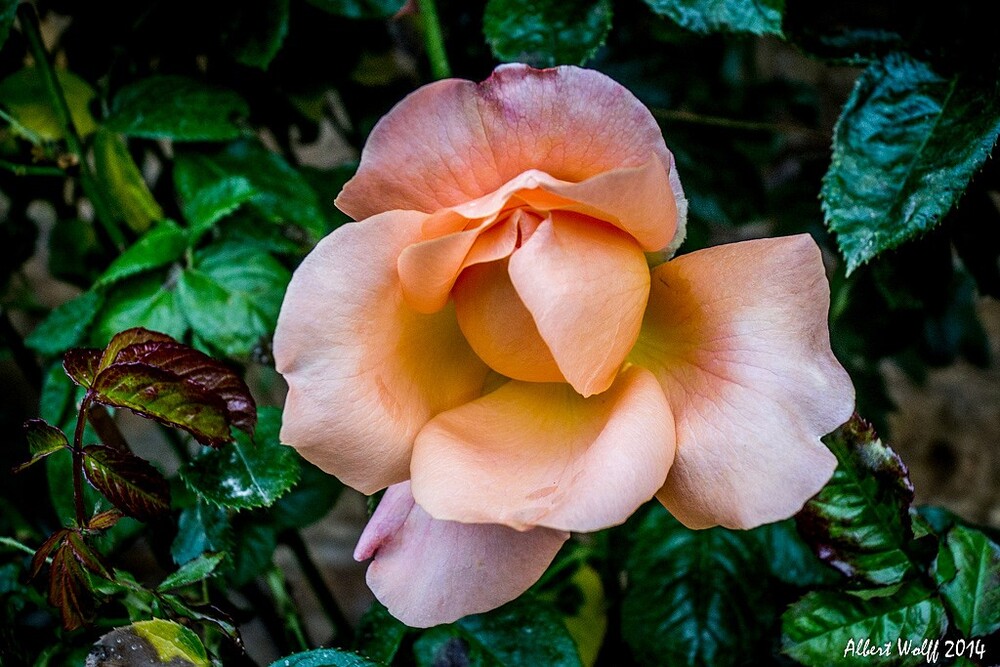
x=342 y=628
x=434 y=40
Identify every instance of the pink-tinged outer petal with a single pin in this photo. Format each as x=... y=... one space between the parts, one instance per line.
x=585 y=285
x=365 y=372
x=535 y=454
x=738 y=337
x=454 y=141
x=427 y=571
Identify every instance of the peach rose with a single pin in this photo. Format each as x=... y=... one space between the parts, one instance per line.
x=490 y=343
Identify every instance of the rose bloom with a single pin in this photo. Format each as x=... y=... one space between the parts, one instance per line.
x=489 y=343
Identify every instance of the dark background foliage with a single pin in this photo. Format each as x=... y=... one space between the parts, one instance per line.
x=194 y=163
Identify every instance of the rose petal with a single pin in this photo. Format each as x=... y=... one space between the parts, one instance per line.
x=532 y=454
x=365 y=372
x=499 y=328
x=454 y=141
x=428 y=571
x=585 y=285
x=738 y=337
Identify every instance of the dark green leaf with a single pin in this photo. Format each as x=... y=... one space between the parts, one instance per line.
x=308 y=501
x=360 y=9
x=247 y=473
x=146 y=301
x=789 y=558
x=43 y=440
x=192 y=572
x=66 y=325
x=860 y=522
x=163 y=244
x=325 y=657
x=968 y=571
x=692 y=598
x=232 y=296
x=205 y=613
x=212 y=185
x=905 y=147
x=253 y=550
x=178 y=108
x=826 y=627
x=201 y=528
x=758 y=17
x=257 y=31
x=380 y=635
x=8 y=8
x=129 y=482
x=548 y=32
x=523 y=632
x=128 y=195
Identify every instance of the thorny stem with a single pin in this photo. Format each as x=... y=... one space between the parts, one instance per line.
x=57 y=100
x=81 y=422
x=341 y=626
x=434 y=39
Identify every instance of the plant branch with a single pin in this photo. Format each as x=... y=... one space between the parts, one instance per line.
x=14 y=544
x=30 y=170
x=57 y=100
x=677 y=116
x=285 y=606
x=434 y=39
x=81 y=422
x=342 y=628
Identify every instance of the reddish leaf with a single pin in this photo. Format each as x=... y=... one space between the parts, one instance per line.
x=104 y=520
x=209 y=374
x=129 y=482
x=38 y=560
x=66 y=582
x=127 y=338
x=165 y=397
x=43 y=440
x=85 y=555
x=82 y=365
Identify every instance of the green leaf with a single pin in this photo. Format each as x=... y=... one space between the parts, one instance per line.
x=192 y=572
x=232 y=296
x=325 y=657
x=546 y=33
x=128 y=194
x=309 y=500
x=253 y=550
x=757 y=17
x=160 y=246
x=146 y=301
x=257 y=31
x=43 y=440
x=826 y=627
x=523 y=632
x=906 y=145
x=380 y=635
x=23 y=93
x=178 y=108
x=789 y=558
x=172 y=641
x=201 y=528
x=213 y=185
x=66 y=325
x=8 y=9
x=246 y=474
x=859 y=522
x=129 y=482
x=360 y=9
x=692 y=597
x=968 y=572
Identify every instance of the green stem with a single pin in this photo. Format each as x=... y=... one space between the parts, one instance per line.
x=14 y=544
x=81 y=422
x=434 y=39
x=30 y=170
x=341 y=627
x=57 y=100
x=285 y=606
